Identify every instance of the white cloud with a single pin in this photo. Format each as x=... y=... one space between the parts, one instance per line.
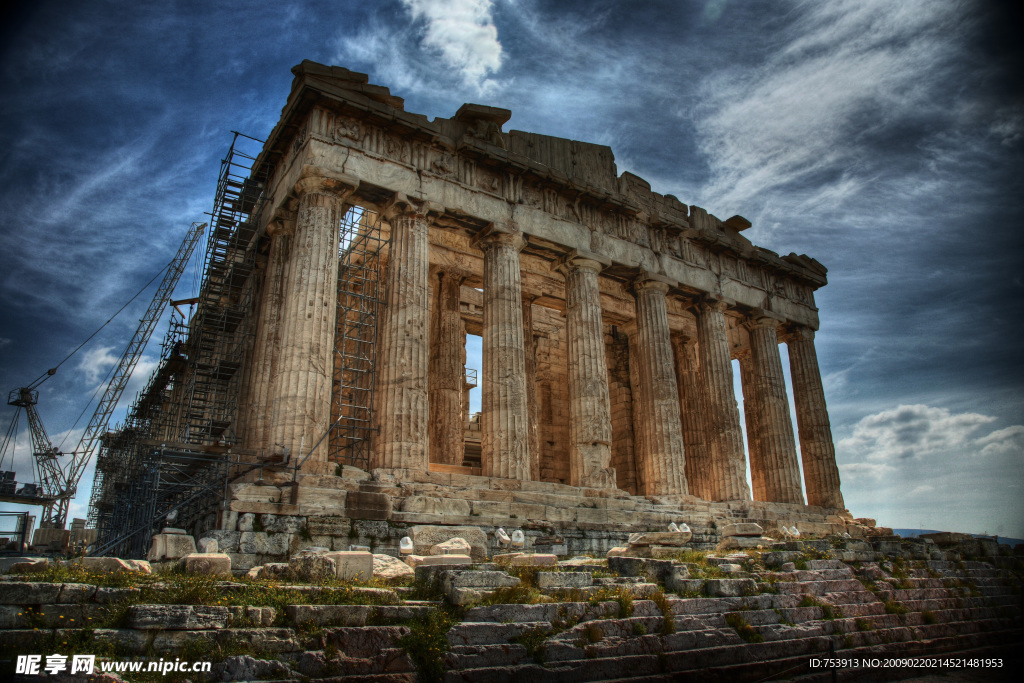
x=920 y=466
x=912 y=431
x=1009 y=441
x=96 y=362
x=463 y=33
x=845 y=72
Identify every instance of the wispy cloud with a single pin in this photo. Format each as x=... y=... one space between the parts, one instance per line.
x=464 y=34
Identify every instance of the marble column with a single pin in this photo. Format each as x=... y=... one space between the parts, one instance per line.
x=590 y=418
x=752 y=412
x=691 y=409
x=447 y=371
x=818 y=452
x=658 y=431
x=721 y=415
x=402 y=411
x=530 y=353
x=267 y=345
x=505 y=414
x=301 y=401
x=777 y=447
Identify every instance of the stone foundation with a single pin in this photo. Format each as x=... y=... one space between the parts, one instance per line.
x=272 y=518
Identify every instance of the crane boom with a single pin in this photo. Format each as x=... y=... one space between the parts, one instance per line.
x=60 y=483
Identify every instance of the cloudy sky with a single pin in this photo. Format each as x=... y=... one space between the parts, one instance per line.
x=886 y=139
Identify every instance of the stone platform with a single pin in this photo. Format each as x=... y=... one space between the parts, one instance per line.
x=273 y=517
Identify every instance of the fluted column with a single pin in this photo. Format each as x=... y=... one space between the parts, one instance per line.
x=447 y=372
x=818 y=452
x=505 y=438
x=590 y=418
x=722 y=417
x=691 y=408
x=660 y=452
x=301 y=402
x=530 y=353
x=752 y=412
x=402 y=411
x=266 y=347
x=777 y=447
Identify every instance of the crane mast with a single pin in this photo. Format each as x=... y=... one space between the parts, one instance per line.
x=59 y=480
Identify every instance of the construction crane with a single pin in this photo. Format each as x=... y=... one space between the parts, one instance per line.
x=57 y=473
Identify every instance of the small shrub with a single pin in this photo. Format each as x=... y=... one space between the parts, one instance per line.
x=639 y=629
x=743 y=629
x=426 y=643
x=929 y=617
x=863 y=624
x=894 y=607
x=668 y=620
x=533 y=640
x=513 y=595
x=593 y=633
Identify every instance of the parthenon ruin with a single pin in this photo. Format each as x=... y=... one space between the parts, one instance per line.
x=364 y=245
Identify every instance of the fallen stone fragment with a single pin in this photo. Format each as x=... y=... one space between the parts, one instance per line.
x=742 y=529
x=207 y=564
x=387 y=567
x=453 y=546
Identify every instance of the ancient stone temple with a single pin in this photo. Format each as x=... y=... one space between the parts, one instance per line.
x=610 y=317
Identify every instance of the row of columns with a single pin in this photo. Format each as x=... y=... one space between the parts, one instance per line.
x=686 y=428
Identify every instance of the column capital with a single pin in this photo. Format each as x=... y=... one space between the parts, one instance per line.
x=281 y=223
x=402 y=204
x=577 y=258
x=684 y=338
x=762 y=319
x=317 y=180
x=653 y=281
x=707 y=304
x=495 y=235
x=799 y=333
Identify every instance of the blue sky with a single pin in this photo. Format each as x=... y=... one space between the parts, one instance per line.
x=884 y=139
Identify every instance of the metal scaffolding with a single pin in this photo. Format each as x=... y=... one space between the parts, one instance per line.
x=360 y=293
x=174 y=454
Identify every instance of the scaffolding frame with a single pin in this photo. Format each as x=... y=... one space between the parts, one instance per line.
x=360 y=295
x=173 y=454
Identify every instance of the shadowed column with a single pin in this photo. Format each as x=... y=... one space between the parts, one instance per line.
x=659 y=433
x=403 y=364
x=691 y=409
x=301 y=404
x=447 y=372
x=590 y=420
x=777 y=447
x=267 y=345
x=505 y=415
x=821 y=475
x=752 y=412
x=722 y=417
x=530 y=353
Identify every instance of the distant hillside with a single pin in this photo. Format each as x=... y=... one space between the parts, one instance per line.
x=911 y=533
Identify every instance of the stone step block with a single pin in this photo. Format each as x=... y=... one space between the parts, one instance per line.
x=179 y=617
x=489 y=632
x=329 y=615
x=566 y=611
x=363 y=642
x=476 y=656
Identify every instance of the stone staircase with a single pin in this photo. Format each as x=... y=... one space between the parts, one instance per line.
x=780 y=622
